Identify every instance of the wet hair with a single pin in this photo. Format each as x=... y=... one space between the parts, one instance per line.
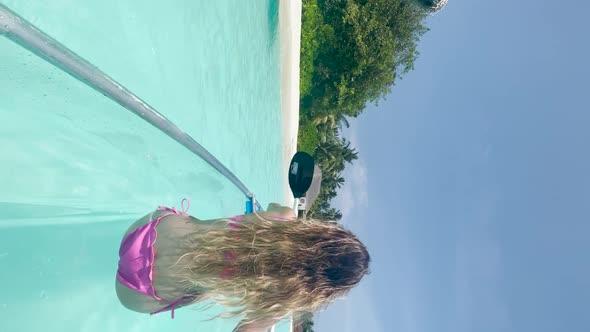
x=277 y=268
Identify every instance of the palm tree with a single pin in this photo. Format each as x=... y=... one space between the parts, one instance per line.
x=330 y=119
x=335 y=181
x=307 y=322
x=331 y=156
x=327 y=133
x=330 y=214
x=331 y=194
x=348 y=154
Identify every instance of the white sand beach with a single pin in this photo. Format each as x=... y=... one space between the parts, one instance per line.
x=290 y=45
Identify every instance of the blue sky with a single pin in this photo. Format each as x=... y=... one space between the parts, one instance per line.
x=472 y=190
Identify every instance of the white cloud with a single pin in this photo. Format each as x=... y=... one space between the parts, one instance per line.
x=354 y=193
x=345 y=200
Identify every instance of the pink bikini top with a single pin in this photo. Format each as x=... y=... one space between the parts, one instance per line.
x=137 y=255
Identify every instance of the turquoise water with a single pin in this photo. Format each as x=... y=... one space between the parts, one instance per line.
x=77 y=168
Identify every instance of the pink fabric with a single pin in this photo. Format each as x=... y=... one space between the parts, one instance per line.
x=137 y=255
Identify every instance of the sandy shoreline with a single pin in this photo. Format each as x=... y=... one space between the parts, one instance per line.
x=290 y=45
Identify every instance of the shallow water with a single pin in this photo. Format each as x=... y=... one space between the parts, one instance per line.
x=77 y=168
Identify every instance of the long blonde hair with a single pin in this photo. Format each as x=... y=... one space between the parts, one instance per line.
x=277 y=268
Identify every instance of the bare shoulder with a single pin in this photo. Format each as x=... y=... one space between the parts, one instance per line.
x=143 y=220
x=277 y=210
x=135 y=301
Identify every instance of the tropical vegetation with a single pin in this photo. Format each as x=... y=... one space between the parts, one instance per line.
x=352 y=53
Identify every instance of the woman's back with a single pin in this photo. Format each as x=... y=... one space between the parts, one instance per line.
x=265 y=266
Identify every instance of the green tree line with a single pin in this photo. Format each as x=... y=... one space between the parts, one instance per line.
x=352 y=53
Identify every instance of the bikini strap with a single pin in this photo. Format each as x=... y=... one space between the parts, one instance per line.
x=171 y=306
x=171 y=210
x=175 y=211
